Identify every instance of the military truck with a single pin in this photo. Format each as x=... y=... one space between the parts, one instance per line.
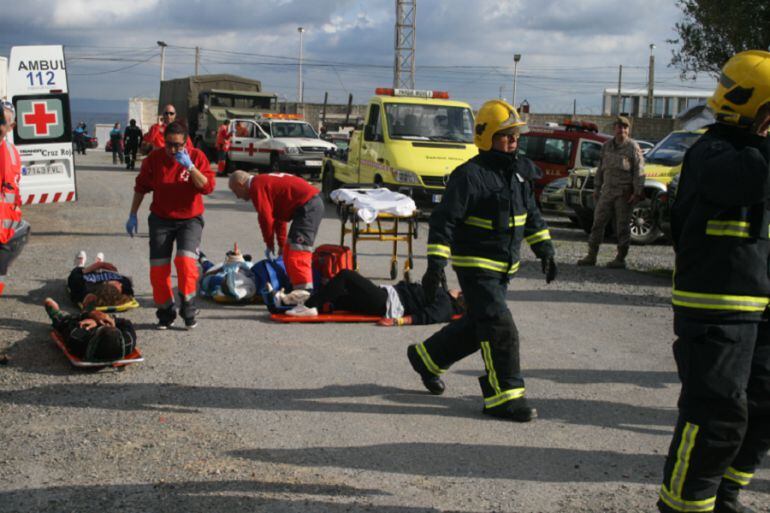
x=204 y=101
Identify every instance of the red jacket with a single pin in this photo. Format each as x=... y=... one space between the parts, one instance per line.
x=275 y=197
x=10 y=196
x=173 y=194
x=155 y=137
x=223 y=138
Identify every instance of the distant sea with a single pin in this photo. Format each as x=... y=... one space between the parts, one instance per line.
x=94 y=112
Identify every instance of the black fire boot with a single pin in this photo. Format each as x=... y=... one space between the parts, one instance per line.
x=517 y=411
x=432 y=382
x=727 y=498
x=188 y=313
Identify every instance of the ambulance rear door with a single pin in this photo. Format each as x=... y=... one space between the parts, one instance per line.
x=37 y=86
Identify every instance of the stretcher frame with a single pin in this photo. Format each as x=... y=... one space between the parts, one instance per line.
x=385 y=228
x=134 y=357
x=130 y=305
x=341 y=316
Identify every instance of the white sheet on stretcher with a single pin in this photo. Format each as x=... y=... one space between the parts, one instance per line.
x=370 y=202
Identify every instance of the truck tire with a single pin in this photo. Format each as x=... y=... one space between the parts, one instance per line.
x=644 y=226
x=328 y=182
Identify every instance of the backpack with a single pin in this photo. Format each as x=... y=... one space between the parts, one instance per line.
x=330 y=259
x=271 y=271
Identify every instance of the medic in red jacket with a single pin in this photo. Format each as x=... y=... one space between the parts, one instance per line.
x=178 y=180
x=13 y=230
x=154 y=138
x=280 y=198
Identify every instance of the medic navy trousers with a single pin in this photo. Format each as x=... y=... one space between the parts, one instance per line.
x=187 y=234
x=486 y=325
x=723 y=430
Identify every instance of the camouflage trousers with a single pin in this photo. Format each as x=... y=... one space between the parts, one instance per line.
x=610 y=204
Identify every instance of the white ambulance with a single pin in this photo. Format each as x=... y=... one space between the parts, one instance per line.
x=37 y=87
x=281 y=142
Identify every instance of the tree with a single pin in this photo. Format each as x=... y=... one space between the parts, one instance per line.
x=712 y=31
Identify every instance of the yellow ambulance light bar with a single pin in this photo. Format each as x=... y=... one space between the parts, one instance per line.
x=415 y=93
x=278 y=115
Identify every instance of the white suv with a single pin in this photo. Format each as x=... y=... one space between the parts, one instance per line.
x=280 y=144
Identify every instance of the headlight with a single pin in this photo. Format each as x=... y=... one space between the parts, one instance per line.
x=570 y=181
x=292 y=150
x=405 y=176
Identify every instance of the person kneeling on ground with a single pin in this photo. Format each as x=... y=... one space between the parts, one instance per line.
x=399 y=304
x=231 y=280
x=92 y=336
x=99 y=284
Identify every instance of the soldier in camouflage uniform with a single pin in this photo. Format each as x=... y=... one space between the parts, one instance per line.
x=618 y=186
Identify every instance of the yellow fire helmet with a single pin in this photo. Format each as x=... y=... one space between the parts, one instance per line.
x=494 y=116
x=744 y=87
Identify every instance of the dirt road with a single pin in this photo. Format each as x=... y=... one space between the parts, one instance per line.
x=245 y=415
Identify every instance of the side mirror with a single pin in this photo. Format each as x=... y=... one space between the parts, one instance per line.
x=369 y=132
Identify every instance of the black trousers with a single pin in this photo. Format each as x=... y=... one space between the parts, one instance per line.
x=130 y=154
x=723 y=430
x=487 y=325
x=350 y=291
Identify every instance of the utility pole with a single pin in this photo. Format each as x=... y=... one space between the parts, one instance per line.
x=620 y=86
x=163 y=46
x=651 y=83
x=516 y=59
x=197 y=59
x=299 y=69
x=406 y=28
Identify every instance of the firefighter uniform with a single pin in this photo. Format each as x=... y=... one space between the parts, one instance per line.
x=488 y=208
x=13 y=229
x=721 y=291
x=176 y=215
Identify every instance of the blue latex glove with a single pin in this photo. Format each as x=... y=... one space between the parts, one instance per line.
x=184 y=159
x=132 y=225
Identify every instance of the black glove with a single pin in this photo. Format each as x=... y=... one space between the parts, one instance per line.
x=549 y=268
x=433 y=278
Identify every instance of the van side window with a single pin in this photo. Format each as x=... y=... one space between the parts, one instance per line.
x=265 y=127
x=589 y=153
x=546 y=149
x=374 y=121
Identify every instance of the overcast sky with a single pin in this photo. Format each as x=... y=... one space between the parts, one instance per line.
x=570 y=49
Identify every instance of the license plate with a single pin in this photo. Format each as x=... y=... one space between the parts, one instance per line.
x=44 y=169
x=436 y=198
x=313 y=163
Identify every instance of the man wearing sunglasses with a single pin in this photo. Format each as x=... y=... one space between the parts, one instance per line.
x=178 y=178
x=154 y=139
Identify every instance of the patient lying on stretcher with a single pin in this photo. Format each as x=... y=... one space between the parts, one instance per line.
x=399 y=304
x=92 y=336
x=99 y=284
x=231 y=281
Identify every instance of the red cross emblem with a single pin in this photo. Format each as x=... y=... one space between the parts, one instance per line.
x=251 y=149
x=40 y=118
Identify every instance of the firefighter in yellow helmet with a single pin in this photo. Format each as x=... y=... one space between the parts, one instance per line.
x=720 y=221
x=487 y=209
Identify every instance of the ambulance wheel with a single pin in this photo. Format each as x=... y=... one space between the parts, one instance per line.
x=393 y=270
x=275 y=164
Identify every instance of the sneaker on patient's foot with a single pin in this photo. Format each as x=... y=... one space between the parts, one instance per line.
x=303 y=311
x=100 y=257
x=80 y=259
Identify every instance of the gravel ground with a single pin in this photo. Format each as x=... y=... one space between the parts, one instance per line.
x=245 y=415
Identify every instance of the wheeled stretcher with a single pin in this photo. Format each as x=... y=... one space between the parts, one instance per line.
x=378 y=215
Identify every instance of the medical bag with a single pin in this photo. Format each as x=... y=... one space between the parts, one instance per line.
x=330 y=259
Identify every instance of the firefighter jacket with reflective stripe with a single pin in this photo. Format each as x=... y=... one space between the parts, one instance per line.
x=487 y=209
x=720 y=224
x=10 y=196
